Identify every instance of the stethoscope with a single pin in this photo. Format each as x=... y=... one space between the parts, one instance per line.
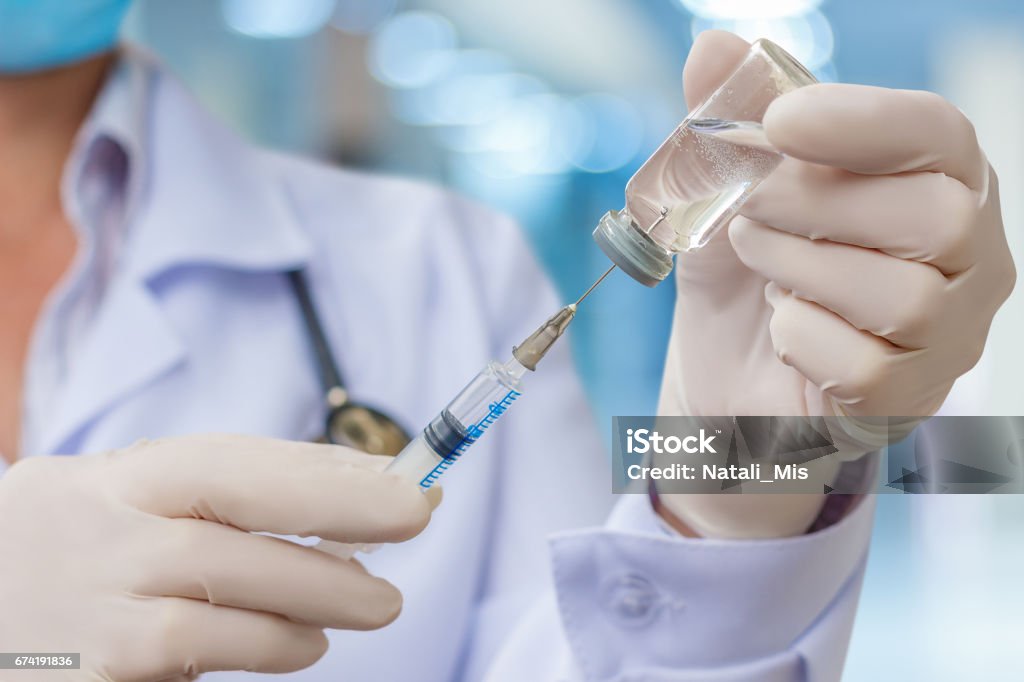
x=349 y=422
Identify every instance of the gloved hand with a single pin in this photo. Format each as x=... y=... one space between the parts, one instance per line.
x=141 y=559
x=860 y=279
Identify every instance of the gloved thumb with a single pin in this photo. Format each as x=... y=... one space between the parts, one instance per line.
x=713 y=58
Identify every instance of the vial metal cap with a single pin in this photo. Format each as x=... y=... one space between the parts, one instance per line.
x=634 y=252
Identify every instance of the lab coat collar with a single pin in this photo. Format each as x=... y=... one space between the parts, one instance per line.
x=108 y=150
x=196 y=195
x=205 y=196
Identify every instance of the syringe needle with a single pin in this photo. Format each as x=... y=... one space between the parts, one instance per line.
x=533 y=349
x=594 y=286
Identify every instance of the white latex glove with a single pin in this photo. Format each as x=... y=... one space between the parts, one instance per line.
x=141 y=559
x=860 y=279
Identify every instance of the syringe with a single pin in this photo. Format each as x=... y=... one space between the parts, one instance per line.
x=477 y=407
x=460 y=424
x=471 y=413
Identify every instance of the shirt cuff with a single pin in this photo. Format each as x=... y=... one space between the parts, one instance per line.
x=636 y=599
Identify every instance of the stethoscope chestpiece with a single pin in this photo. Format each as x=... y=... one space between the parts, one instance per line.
x=365 y=428
x=348 y=423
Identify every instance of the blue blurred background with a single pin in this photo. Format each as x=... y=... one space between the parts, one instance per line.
x=544 y=109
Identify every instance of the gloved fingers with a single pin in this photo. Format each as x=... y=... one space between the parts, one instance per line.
x=847 y=363
x=746 y=516
x=184 y=637
x=927 y=217
x=900 y=300
x=875 y=131
x=712 y=59
x=434 y=495
x=224 y=566
x=262 y=484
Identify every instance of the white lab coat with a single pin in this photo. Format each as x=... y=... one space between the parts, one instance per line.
x=177 y=319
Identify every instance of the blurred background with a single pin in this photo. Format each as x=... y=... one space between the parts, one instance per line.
x=545 y=109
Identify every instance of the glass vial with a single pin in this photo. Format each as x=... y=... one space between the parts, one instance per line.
x=699 y=177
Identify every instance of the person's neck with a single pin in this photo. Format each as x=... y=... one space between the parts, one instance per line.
x=39 y=116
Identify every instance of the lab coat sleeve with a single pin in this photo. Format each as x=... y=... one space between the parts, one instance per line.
x=634 y=601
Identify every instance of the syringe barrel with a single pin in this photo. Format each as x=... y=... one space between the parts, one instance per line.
x=465 y=419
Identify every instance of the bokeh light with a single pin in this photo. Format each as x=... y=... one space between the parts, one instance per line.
x=749 y=9
x=412 y=49
x=808 y=37
x=523 y=138
x=276 y=19
x=606 y=133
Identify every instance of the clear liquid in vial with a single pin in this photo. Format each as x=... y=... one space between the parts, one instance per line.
x=697 y=179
